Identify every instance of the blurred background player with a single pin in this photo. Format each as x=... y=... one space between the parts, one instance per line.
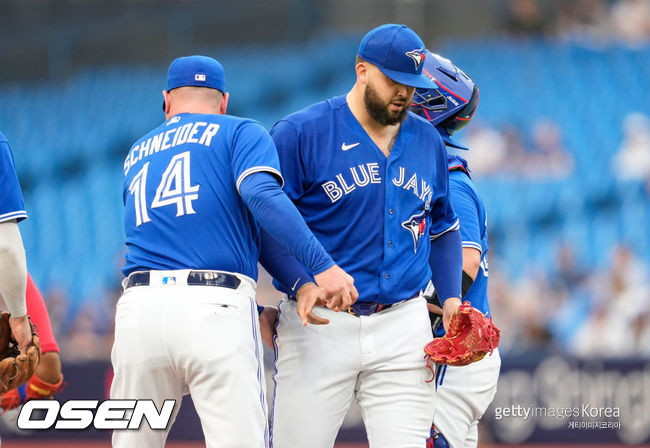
x=463 y=393
x=47 y=379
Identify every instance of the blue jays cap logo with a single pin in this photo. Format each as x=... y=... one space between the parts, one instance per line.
x=417 y=56
x=390 y=47
x=416 y=225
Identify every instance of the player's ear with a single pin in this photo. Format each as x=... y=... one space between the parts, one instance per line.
x=166 y=101
x=362 y=72
x=224 y=103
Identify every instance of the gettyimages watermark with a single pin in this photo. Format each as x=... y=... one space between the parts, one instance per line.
x=82 y=414
x=583 y=417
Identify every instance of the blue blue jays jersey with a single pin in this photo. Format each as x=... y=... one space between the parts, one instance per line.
x=181 y=194
x=374 y=214
x=12 y=205
x=473 y=226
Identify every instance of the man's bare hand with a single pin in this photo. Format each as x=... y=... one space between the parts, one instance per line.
x=268 y=319
x=448 y=309
x=308 y=296
x=339 y=287
x=21 y=331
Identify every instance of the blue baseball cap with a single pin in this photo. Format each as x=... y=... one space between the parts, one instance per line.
x=398 y=52
x=197 y=71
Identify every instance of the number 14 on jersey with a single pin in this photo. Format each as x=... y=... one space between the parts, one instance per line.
x=175 y=188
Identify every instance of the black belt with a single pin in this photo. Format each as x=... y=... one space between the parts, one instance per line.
x=194 y=278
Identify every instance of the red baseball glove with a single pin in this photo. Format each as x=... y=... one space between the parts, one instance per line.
x=470 y=337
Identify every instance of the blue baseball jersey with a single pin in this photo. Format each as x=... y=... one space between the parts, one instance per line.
x=473 y=226
x=181 y=194
x=12 y=205
x=374 y=214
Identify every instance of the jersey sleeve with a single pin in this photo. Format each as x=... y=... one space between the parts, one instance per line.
x=464 y=202
x=12 y=205
x=253 y=151
x=443 y=217
x=287 y=141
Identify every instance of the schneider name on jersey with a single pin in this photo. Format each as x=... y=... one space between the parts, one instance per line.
x=175 y=183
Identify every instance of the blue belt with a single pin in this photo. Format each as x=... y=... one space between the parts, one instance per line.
x=367 y=308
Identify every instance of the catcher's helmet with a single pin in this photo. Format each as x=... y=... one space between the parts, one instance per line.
x=451 y=106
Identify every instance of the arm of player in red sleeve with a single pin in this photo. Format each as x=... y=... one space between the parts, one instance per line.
x=39 y=316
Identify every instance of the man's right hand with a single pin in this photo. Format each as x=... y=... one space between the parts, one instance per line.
x=308 y=296
x=339 y=287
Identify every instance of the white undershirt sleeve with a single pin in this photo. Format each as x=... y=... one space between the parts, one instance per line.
x=13 y=268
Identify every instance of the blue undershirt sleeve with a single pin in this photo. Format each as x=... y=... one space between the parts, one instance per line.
x=288 y=273
x=446 y=261
x=271 y=207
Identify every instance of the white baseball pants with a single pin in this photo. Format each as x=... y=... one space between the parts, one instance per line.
x=377 y=360
x=175 y=339
x=463 y=395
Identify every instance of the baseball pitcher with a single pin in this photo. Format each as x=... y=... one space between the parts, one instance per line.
x=371 y=180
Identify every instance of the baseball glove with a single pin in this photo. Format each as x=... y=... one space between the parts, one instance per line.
x=16 y=368
x=470 y=337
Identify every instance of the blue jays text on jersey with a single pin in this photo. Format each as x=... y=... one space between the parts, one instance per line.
x=12 y=205
x=370 y=212
x=473 y=227
x=181 y=182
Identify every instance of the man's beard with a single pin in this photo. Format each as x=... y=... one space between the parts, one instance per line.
x=379 y=111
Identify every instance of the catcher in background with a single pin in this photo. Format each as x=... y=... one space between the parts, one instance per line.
x=20 y=350
x=463 y=393
x=47 y=379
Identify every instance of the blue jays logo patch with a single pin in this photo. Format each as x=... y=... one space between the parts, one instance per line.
x=416 y=225
x=417 y=56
